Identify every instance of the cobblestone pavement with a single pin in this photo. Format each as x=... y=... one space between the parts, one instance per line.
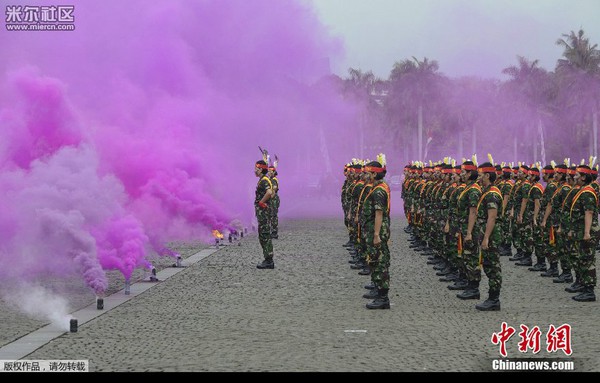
x=308 y=314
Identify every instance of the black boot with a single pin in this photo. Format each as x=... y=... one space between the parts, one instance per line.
x=490 y=304
x=381 y=302
x=365 y=271
x=371 y=294
x=358 y=265
x=266 y=264
x=540 y=265
x=435 y=261
x=517 y=256
x=552 y=271
x=440 y=265
x=460 y=283
x=506 y=251
x=576 y=287
x=445 y=271
x=565 y=277
x=525 y=260
x=453 y=276
x=370 y=286
x=472 y=291
x=586 y=296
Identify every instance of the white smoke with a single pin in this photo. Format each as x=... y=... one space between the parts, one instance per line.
x=40 y=303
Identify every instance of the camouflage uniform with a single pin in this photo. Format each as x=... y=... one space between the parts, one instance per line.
x=274 y=204
x=584 y=252
x=452 y=252
x=379 y=256
x=355 y=191
x=566 y=249
x=490 y=258
x=506 y=187
x=557 y=244
x=361 y=248
x=263 y=218
x=527 y=230
x=515 y=203
x=525 y=240
x=541 y=235
x=467 y=199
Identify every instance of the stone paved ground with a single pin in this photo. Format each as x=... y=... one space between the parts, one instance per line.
x=223 y=314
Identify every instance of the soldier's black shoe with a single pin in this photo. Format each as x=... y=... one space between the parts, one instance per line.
x=371 y=294
x=347 y=244
x=538 y=267
x=506 y=251
x=358 y=265
x=440 y=266
x=450 y=277
x=274 y=236
x=575 y=288
x=517 y=256
x=565 y=277
x=353 y=260
x=586 y=296
x=489 y=305
x=459 y=284
x=551 y=272
x=525 y=261
x=370 y=286
x=365 y=271
x=446 y=271
x=435 y=261
x=379 y=303
x=266 y=265
x=469 y=293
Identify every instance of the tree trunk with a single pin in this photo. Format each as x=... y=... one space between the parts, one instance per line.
x=420 y=133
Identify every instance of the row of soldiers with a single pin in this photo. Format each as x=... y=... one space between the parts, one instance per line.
x=466 y=216
x=366 y=206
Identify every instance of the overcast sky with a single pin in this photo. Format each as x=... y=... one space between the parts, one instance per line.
x=466 y=37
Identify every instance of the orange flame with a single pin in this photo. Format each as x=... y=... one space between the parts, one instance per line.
x=217 y=234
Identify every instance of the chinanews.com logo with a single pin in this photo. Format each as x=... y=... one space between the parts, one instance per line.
x=557 y=338
x=40 y=17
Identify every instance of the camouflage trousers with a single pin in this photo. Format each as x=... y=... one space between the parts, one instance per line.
x=361 y=244
x=379 y=261
x=264 y=231
x=450 y=247
x=491 y=266
x=470 y=258
x=505 y=231
x=439 y=237
x=515 y=234
x=274 y=212
x=525 y=237
x=540 y=241
x=565 y=253
x=584 y=261
x=552 y=248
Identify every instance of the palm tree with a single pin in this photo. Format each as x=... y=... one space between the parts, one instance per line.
x=360 y=87
x=578 y=76
x=414 y=88
x=528 y=94
x=579 y=54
